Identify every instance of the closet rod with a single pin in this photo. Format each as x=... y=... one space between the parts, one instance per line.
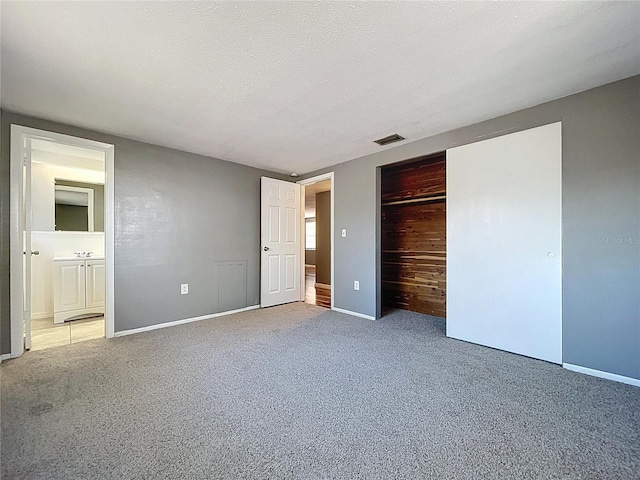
x=415 y=200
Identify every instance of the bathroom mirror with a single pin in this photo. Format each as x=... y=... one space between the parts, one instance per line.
x=78 y=206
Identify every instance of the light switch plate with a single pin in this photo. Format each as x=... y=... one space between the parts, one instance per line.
x=344 y=232
x=184 y=288
x=356 y=285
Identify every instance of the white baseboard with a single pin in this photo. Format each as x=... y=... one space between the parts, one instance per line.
x=5 y=356
x=355 y=314
x=606 y=375
x=323 y=285
x=183 y=321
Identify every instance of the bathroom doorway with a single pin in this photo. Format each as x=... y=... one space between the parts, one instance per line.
x=62 y=258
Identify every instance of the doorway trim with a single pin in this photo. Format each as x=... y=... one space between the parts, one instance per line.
x=18 y=135
x=303 y=183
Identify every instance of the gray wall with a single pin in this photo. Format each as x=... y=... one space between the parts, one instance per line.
x=323 y=238
x=178 y=215
x=601 y=219
x=72 y=218
x=309 y=257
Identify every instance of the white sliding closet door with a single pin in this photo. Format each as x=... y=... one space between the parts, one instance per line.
x=504 y=243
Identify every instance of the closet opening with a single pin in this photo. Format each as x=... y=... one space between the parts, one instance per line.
x=413 y=235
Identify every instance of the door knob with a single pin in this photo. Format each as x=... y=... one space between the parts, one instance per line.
x=266 y=249
x=35 y=252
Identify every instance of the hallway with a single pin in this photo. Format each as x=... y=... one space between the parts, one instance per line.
x=315 y=294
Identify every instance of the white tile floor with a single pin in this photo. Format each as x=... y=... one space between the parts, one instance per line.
x=46 y=334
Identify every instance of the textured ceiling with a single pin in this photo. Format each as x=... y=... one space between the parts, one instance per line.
x=299 y=86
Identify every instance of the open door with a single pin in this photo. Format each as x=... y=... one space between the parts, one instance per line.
x=26 y=235
x=280 y=266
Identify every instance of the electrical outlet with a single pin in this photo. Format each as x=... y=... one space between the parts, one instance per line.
x=356 y=285
x=344 y=232
x=184 y=288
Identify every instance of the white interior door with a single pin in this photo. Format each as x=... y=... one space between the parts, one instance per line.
x=26 y=235
x=281 y=242
x=504 y=243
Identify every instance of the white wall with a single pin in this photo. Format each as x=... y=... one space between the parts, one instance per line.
x=42 y=190
x=51 y=244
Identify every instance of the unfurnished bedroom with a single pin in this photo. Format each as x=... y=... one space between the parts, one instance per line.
x=303 y=240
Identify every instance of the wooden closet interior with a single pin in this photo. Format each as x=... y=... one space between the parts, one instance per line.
x=414 y=242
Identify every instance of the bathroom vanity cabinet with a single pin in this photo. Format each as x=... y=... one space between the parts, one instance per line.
x=78 y=287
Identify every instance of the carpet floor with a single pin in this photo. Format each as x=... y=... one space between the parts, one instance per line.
x=301 y=392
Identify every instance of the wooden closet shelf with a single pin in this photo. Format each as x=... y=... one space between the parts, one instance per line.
x=415 y=200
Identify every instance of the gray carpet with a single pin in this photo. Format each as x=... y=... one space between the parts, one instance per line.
x=301 y=392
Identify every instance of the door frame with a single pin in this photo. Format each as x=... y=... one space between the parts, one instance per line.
x=18 y=134
x=303 y=183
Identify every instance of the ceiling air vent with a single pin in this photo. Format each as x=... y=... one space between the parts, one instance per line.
x=390 y=139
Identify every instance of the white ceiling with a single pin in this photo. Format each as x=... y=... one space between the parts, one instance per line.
x=302 y=85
